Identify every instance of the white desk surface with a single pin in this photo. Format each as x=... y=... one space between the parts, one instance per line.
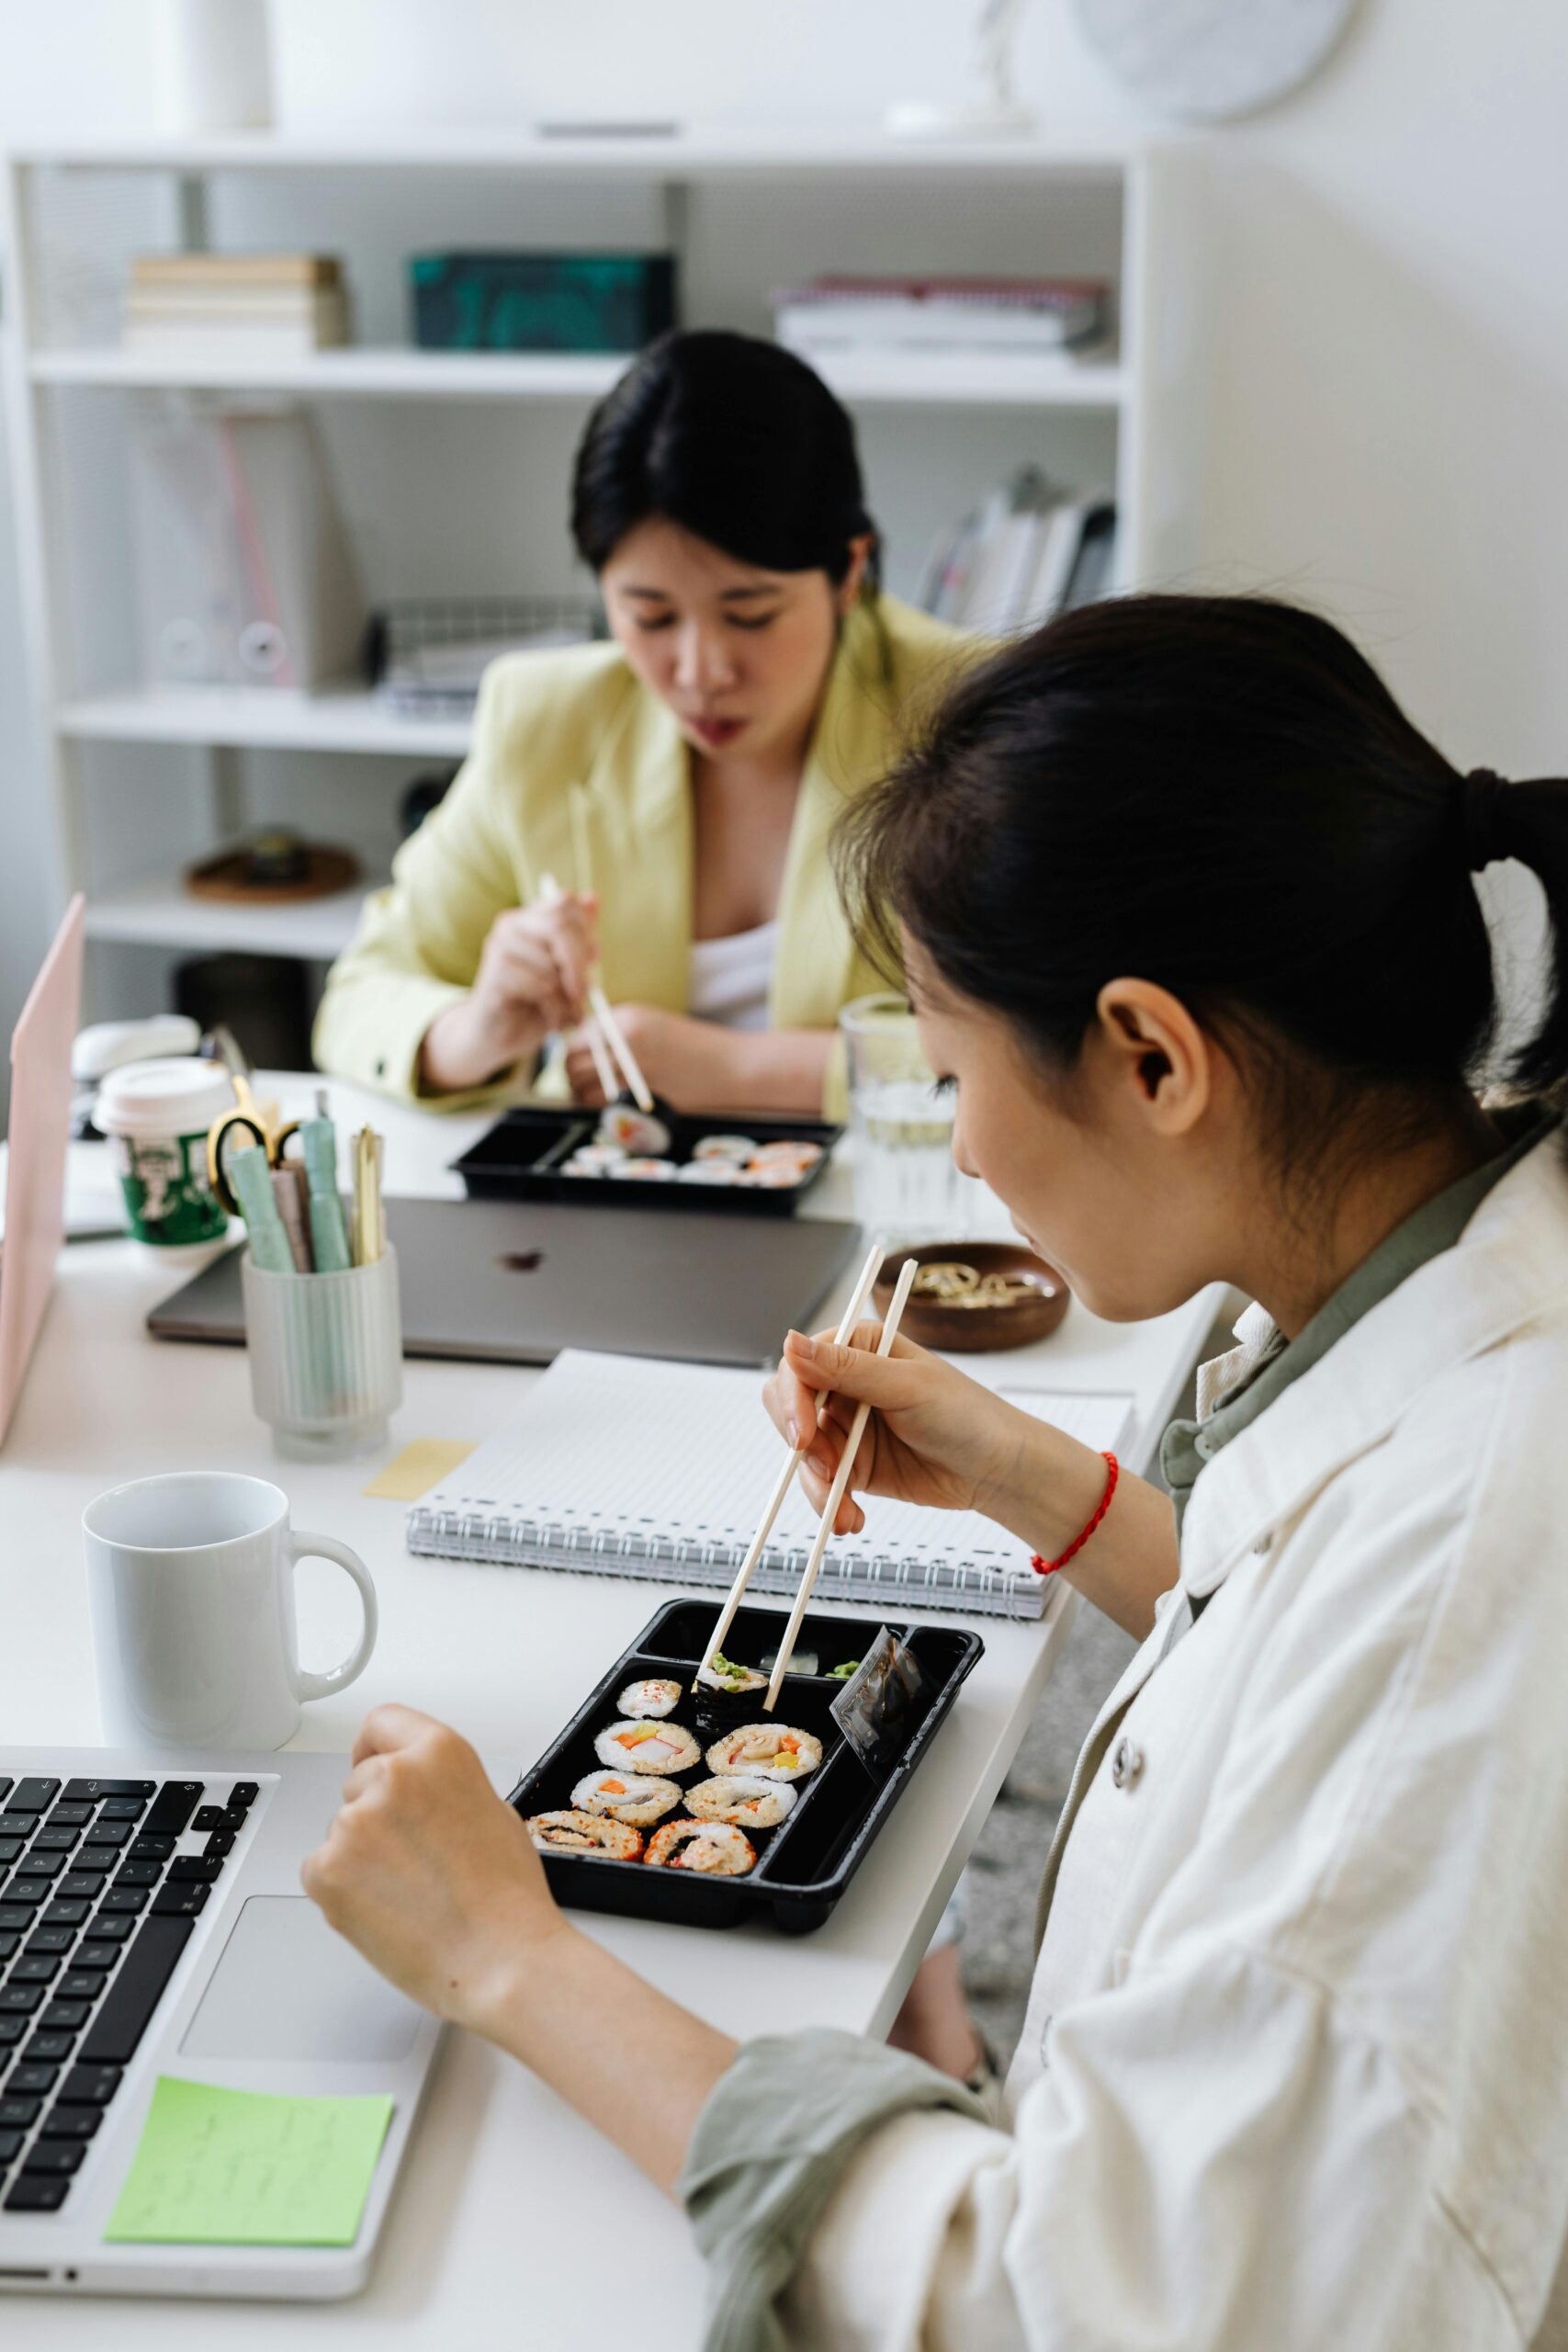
x=501 y=2178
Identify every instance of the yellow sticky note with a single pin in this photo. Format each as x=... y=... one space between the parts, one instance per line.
x=420 y=1466
x=217 y=2167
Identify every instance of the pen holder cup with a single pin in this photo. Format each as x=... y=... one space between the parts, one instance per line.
x=326 y=1357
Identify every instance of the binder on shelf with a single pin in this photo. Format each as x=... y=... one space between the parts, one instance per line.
x=243 y=569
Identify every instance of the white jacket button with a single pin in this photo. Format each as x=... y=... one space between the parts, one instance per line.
x=1264 y=1543
x=1126 y=1763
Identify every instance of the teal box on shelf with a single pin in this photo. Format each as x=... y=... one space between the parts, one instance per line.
x=515 y=302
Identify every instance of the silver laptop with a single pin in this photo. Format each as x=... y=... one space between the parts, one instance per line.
x=152 y=1923
x=515 y=1282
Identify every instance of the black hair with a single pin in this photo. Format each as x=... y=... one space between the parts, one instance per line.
x=735 y=439
x=1220 y=795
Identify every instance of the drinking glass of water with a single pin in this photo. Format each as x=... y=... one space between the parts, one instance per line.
x=905 y=1183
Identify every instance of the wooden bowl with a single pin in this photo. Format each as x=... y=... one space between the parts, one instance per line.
x=977 y=1330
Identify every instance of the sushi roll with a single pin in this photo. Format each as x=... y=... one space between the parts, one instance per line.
x=727 y=1696
x=584 y=1833
x=787 y=1152
x=651 y=1748
x=594 y=1159
x=657 y=1171
x=736 y=1149
x=748 y=1805
x=709 y=1172
x=765 y=1752
x=715 y=1848
x=631 y=1797
x=634 y=1131
x=649 y=1702
x=772 y=1175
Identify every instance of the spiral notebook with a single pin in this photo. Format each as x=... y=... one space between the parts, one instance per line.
x=621 y=1466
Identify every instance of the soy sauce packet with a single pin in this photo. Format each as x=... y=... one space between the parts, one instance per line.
x=881 y=1703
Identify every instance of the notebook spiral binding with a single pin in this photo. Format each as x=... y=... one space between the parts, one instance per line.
x=504 y=1541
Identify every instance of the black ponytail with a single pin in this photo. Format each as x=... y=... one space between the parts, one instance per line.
x=733 y=438
x=1220 y=795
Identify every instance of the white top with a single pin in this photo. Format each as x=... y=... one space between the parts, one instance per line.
x=730 y=978
x=1301 y=1984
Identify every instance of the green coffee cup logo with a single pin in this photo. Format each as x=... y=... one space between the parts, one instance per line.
x=167 y=1197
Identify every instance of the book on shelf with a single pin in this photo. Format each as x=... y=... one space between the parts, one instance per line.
x=1026 y=552
x=619 y=1467
x=973 y=315
x=279 y=306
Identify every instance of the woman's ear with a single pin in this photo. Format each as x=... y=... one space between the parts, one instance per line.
x=854 y=581
x=1160 y=1057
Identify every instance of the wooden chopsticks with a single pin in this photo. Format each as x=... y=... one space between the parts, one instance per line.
x=836 y=1492
x=792 y=1462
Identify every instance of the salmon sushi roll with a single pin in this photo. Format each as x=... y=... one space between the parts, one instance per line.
x=659 y=1748
x=748 y=1805
x=632 y=1797
x=649 y=1700
x=765 y=1752
x=714 y=1847
x=571 y=1832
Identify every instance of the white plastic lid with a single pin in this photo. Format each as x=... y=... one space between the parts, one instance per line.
x=173 y=1098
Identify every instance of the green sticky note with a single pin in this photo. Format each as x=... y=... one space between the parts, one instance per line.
x=217 y=2167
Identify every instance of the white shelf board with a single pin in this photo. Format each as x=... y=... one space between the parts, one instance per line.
x=772 y=151
x=932 y=380
x=157 y=913
x=340 y=718
x=391 y=373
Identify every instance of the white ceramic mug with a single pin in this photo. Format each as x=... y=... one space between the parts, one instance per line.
x=190 y=1584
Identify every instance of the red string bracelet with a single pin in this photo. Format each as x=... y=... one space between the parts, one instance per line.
x=1049 y=1568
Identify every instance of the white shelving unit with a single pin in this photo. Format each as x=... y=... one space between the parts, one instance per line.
x=118 y=754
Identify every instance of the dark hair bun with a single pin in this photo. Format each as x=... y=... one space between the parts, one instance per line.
x=735 y=439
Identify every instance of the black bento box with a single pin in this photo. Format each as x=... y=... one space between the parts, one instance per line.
x=804 y=1865
x=519 y=1158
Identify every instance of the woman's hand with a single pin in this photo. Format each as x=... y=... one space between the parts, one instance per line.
x=428 y=1873
x=532 y=980
x=692 y=1064
x=934 y=1436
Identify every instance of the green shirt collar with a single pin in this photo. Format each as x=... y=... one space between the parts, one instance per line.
x=1434 y=1227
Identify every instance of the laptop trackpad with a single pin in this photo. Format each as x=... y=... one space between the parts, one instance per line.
x=288 y=1987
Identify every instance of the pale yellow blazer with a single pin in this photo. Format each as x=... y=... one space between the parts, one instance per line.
x=548 y=720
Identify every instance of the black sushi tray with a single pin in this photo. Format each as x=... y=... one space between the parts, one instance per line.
x=804 y=1865
x=521 y=1159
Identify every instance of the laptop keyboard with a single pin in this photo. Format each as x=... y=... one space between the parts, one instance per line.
x=101 y=1884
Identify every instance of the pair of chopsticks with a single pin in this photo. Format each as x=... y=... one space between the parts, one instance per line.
x=792 y=1461
x=605 y=1036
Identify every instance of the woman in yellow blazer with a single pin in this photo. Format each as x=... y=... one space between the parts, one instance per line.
x=752 y=684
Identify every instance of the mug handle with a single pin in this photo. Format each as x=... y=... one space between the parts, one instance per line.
x=323 y=1547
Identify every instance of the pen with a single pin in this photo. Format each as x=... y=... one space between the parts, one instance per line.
x=329 y=1238
x=250 y=1177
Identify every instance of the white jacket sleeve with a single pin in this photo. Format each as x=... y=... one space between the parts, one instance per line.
x=1214 y=2161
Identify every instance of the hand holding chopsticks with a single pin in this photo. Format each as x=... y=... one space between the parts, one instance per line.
x=604 y=1033
x=792 y=1463
x=836 y=1492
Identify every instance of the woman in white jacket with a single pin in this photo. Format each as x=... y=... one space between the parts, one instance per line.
x=1187 y=911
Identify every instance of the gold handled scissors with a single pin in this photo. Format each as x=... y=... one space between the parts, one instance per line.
x=245 y=1123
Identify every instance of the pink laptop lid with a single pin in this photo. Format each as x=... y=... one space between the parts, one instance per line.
x=40 y=1131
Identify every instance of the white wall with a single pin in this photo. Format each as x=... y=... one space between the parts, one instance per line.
x=1391 y=353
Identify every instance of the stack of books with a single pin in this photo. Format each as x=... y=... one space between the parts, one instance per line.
x=1027 y=551
x=248 y=306
x=907 y=314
